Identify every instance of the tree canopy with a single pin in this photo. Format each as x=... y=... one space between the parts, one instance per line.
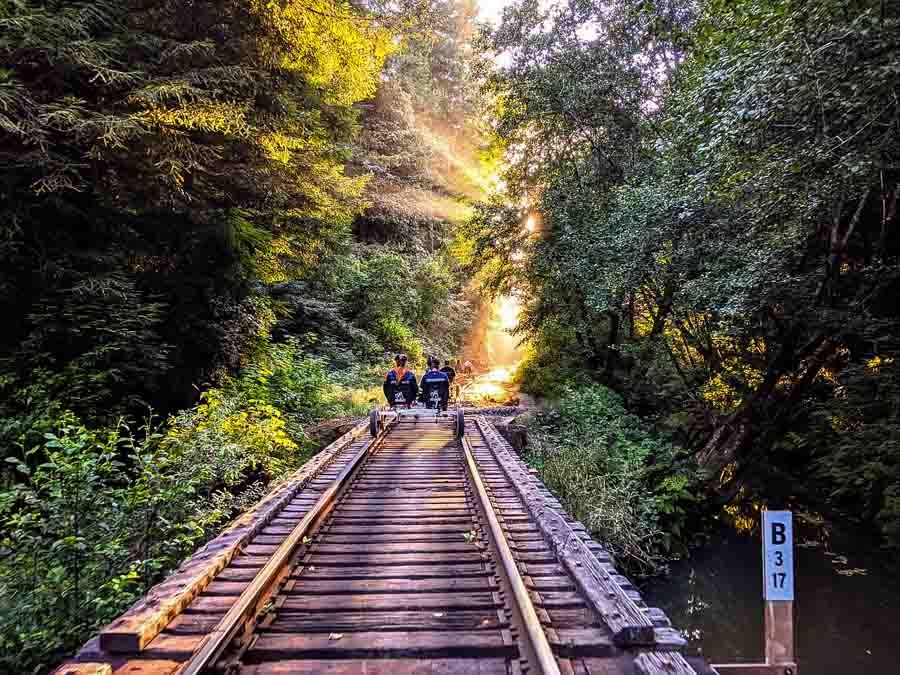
x=712 y=189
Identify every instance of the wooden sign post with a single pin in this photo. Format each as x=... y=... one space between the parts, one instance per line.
x=778 y=585
x=778 y=594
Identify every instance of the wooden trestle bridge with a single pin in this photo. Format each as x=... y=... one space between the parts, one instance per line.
x=422 y=549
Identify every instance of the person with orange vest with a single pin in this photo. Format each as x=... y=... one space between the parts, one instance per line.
x=400 y=386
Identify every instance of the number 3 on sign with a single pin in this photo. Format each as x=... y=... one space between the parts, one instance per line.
x=778 y=555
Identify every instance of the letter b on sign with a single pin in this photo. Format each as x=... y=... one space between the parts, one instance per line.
x=778 y=537
x=778 y=556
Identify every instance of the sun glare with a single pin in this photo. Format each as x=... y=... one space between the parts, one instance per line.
x=491 y=385
x=508 y=310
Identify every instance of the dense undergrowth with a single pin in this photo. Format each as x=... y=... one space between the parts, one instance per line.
x=632 y=487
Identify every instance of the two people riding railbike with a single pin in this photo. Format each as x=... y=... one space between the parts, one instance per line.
x=401 y=389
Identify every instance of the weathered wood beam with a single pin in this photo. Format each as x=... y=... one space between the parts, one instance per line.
x=629 y=625
x=132 y=631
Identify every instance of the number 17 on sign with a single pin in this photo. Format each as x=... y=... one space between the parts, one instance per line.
x=778 y=556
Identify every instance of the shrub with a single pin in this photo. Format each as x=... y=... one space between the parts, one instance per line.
x=397 y=337
x=630 y=486
x=260 y=416
x=91 y=527
x=551 y=366
x=852 y=436
x=94 y=347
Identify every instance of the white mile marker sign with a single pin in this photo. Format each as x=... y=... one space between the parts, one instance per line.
x=778 y=555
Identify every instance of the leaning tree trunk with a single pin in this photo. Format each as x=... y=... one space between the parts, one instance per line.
x=753 y=428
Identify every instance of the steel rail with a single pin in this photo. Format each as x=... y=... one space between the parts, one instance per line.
x=539 y=652
x=230 y=625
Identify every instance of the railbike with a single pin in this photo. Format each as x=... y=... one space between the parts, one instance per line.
x=403 y=408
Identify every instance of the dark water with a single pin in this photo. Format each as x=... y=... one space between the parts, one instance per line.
x=846 y=624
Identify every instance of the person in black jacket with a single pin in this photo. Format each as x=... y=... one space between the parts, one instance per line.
x=435 y=389
x=449 y=371
x=400 y=387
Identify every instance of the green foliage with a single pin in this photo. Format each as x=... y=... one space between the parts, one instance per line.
x=630 y=486
x=403 y=300
x=855 y=442
x=210 y=156
x=551 y=367
x=93 y=346
x=259 y=416
x=382 y=286
x=181 y=189
x=397 y=337
x=715 y=186
x=423 y=138
x=89 y=528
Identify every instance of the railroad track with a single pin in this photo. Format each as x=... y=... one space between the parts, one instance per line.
x=410 y=552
